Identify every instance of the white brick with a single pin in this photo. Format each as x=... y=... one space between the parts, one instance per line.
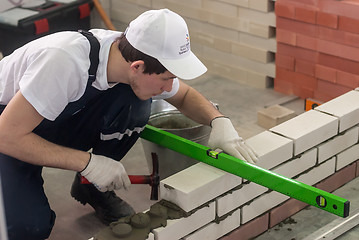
x=274 y=115
x=213 y=230
x=262 y=205
x=337 y=144
x=347 y=157
x=271 y=148
x=346 y=107
x=218 y=7
x=298 y=165
x=264 y=6
x=195 y=26
x=197 y=185
x=308 y=129
x=267 y=18
x=242 y=3
x=261 y=30
x=267 y=69
x=253 y=53
x=151 y=236
x=237 y=74
x=179 y=228
x=272 y=199
x=258 y=80
x=236 y=198
x=269 y=44
x=318 y=173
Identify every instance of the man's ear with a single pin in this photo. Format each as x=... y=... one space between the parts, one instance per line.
x=138 y=66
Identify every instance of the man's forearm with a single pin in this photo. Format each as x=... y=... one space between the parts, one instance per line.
x=17 y=122
x=195 y=106
x=33 y=149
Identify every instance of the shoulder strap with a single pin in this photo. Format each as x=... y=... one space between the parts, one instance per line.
x=94 y=54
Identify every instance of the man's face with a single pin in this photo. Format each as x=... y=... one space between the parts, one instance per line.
x=146 y=86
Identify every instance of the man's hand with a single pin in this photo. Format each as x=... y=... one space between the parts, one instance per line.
x=225 y=137
x=106 y=174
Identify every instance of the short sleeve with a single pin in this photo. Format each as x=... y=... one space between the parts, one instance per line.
x=52 y=80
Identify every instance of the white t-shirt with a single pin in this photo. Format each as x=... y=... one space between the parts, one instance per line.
x=52 y=71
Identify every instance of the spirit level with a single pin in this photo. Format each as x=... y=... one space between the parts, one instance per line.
x=303 y=192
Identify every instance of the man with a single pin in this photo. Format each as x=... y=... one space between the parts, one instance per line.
x=55 y=111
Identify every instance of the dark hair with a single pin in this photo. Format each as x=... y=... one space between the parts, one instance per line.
x=131 y=54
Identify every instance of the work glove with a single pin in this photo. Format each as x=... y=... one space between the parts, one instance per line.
x=225 y=137
x=105 y=173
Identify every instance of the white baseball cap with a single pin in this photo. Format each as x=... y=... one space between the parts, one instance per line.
x=163 y=34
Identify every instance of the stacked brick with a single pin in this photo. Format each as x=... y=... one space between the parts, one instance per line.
x=317 y=47
x=319 y=147
x=235 y=39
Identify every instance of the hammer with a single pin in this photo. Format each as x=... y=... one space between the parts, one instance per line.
x=153 y=180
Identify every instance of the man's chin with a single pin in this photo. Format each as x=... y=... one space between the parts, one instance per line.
x=144 y=98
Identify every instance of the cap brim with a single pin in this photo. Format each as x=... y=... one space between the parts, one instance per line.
x=186 y=68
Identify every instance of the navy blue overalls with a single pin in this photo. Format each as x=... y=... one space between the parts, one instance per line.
x=97 y=113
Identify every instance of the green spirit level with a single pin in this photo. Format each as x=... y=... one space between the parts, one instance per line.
x=303 y=192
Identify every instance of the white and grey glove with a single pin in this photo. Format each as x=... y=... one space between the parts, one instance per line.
x=106 y=174
x=225 y=137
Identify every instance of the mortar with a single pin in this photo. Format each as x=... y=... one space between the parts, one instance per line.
x=166 y=117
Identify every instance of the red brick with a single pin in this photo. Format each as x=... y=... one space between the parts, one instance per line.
x=348 y=24
x=327 y=19
x=305 y=80
x=283 y=86
x=284 y=211
x=338 y=179
x=306 y=42
x=285 y=36
x=340 y=8
x=338 y=63
x=306 y=93
x=297 y=53
x=304 y=85
x=285 y=74
x=284 y=9
x=283 y=61
x=322 y=96
x=337 y=49
x=351 y=39
x=302 y=92
x=305 y=14
x=305 y=67
x=357 y=171
x=250 y=229
x=297 y=27
x=330 y=89
x=347 y=79
x=338 y=36
x=326 y=73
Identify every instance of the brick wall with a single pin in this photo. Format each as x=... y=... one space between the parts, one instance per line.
x=317 y=48
x=309 y=47
x=235 y=39
x=319 y=147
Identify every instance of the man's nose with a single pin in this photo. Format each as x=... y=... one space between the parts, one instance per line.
x=168 y=85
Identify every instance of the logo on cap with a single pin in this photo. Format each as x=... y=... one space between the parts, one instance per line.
x=186 y=47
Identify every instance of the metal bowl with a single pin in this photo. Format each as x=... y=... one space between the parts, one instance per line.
x=166 y=117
